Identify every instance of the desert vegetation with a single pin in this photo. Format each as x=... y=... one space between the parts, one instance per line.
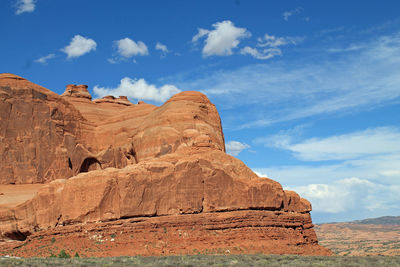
x=210 y=260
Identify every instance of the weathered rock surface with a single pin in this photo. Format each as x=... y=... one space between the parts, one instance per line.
x=37 y=130
x=110 y=160
x=235 y=232
x=45 y=136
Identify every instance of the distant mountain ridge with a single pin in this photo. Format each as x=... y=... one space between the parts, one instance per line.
x=386 y=220
x=394 y=220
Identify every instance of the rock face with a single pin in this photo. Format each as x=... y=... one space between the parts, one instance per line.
x=37 y=132
x=110 y=160
x=45 y=136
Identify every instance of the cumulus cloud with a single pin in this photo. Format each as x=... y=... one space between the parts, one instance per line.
x=350 y=194
x=270 y=46
x=358 y=174
x=352 y=189
x=25 y=6
x=222 y=40
x=234 y=147
x=128 y=48
x=44 y=59
x=138 y=89
x=79 y=46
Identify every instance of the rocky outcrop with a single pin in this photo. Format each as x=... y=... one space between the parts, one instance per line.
x=79 y=91
x=187 y=182
x=122 y=161
x=47 y=136
x=122 y=100
x=38 y=130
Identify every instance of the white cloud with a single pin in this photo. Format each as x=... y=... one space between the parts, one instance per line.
x=112 y=60
x=234 y=147
x=345 y=49
x=271 y=45
x=363 y=181
x=25 y=6
x=373 y=154
x=222 y=40
x=79 y=46
x=287 y=14
x=44 y=59
x=336 y=189
x=377 y=168
x=264 y=54
x=138 y=89
x=283 y=139
x=200 y=34
x=354 y=145
x=128 y=48
x=261 y=174
x=283 y=91
x=273 y=41
x=163 y=48
x=350 y=195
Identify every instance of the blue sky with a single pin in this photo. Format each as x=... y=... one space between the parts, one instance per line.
x=308 y=91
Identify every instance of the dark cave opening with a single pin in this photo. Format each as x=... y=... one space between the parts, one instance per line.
x=90 y=164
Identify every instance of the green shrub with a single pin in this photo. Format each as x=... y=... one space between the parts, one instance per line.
x=76 y=255
x=64 y=254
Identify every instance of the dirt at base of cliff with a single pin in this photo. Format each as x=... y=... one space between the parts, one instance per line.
x=237 y=232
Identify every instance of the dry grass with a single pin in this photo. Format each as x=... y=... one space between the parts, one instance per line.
x=210 y=260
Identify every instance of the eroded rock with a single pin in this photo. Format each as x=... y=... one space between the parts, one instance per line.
x=110 y=160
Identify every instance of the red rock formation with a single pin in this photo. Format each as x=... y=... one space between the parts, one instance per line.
x=109 y=159
x=37 y=132
x=77 y=91
x=123 y=100
x=48 y=137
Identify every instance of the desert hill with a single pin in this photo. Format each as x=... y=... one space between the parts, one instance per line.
x=373 y=236
x=108 y=177
x=392 y=220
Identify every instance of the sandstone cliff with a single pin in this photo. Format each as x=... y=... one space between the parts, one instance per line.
x=110 y=160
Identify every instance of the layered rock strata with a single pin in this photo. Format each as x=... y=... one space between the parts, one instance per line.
x=235 y=232
x=111 y=160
